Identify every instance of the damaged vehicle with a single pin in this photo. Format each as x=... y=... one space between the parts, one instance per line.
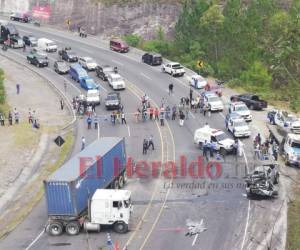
x=263 y=181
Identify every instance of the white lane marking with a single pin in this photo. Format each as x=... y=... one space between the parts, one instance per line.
x=103 y=88
x=195 y=239
x=248 y=211
x=116 y=62
x=192 y=115
x=221 y=114
x=128 y=128
x=98 y=130
x=35 y=240
x=147 y=77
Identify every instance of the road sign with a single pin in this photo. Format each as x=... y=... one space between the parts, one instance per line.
x=200 y=64
x=68 y=21
x=59 y=141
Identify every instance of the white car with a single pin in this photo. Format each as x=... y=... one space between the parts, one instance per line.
x=223 y=143
x=87 y=63
x=213 y=101
x=238 y=127
x=241 y=109
x=197 y=81
x=116 y=81
x=173 y=68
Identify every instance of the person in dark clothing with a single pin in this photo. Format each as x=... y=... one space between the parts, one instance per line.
x=171 y=86
x=205 y=150
x=191 y=94
x=145 y=146
x=10 y=118
x=18 y=88
x=62 y=104
x=93 y=107
x=2 y=119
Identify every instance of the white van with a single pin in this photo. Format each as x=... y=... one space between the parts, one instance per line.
x=116 y=81
x=47 y=45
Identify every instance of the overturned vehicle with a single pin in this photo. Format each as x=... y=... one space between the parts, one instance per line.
x=263 y=180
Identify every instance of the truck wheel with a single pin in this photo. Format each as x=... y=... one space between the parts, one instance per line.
x=55 y=228
x=120 y=227
x=121 y=181
x=115 y=184
x=73 y=228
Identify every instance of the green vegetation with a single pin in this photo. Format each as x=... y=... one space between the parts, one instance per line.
x=293 y=239
x=2 y=92
x=253 y=45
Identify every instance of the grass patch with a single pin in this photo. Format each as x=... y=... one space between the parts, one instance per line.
x=293 y=234
x=25 y=135
x=35 y=190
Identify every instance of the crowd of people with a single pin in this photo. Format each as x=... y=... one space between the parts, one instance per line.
x=267 y=150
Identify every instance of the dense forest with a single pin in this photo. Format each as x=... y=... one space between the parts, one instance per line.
x=253 y=45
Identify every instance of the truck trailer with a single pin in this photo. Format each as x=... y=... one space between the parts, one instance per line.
x=77 y=194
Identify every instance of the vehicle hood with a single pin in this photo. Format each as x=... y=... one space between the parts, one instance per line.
x=227 y=143
x=243 y=112
x=241 y=128
x=112 y=102
x=91 y=65
x=216 y=103
x=121 y=82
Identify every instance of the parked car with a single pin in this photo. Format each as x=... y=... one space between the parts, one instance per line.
x=30 y=40
x=237 y=126
x=241 y=109
x=285 y=121
x=61 y=67
x=88 y=83
x=152 y=59
x=252 y=101
x=118 y=45
x=112 y=100
x=116 y=81
x=68 y=55
x=103 y=71
x=173 y=68
x=213 y=101
x=87 y=63
x=197 y=81
x=38 y=60
x=20 y=17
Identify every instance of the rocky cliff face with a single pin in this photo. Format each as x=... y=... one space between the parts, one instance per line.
x=141 y=17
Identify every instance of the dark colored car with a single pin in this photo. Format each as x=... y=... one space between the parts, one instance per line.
x=20 y=17
x=38 y=60
x=68 y=55
x=30 y=40
x=61 y=67
x=113 y=101
x=152 y=59
x=252 y=101
x=103 y=71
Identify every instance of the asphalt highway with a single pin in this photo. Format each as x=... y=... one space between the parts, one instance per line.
x=163 y=207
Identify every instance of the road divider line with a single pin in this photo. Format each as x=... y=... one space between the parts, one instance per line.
x=116 y=62
x=147 y=77
x=128 y=128
x=35 y=240
x=195 y=239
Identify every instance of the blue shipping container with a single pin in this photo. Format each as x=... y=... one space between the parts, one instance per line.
x=69 y=188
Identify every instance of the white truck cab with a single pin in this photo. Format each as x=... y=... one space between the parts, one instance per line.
x=223 y=143
x=241 y=109
x=46 y=45
x=238 y=127
x=287 y=121
x=291 y=148
x=109 y=207
x=116 y=81
x=173 y=68
x=93 y=96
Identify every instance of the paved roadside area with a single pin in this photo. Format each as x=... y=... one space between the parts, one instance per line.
x=25 y=150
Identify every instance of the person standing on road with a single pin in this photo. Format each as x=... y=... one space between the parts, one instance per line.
x=171 y=86
x=156 y=113
x=174 y=113
x=89 y=122
x=18 y=88
x=145 y=146
x=191 y=94
x=162 y=118
x=62 y=104
x=82 y=143
x=123 y=118
x=2 y=119
x=151 y=112
x=96 y=121
x=181 y=118
x=275 y=151
x=205 y=150
x=150 y=142
x=17 y=116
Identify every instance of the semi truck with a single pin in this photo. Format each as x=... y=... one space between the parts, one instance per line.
x=289 y=144
x=8 y=32
x=78 y=194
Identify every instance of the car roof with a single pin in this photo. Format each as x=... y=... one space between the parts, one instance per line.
x=114 y=75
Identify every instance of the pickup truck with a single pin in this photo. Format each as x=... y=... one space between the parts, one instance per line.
x=37 y=59
x=173 y=68
x=252 y=101
x=284 y=121
x=68 y=55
